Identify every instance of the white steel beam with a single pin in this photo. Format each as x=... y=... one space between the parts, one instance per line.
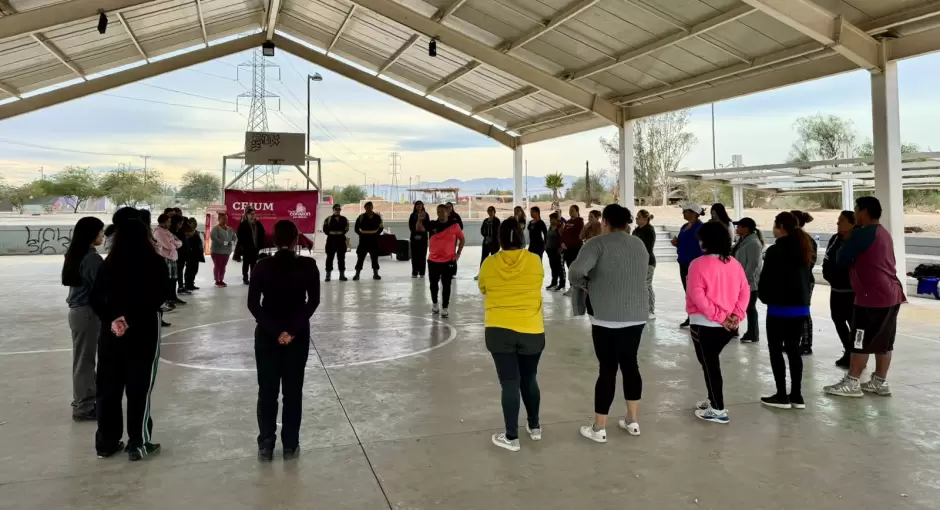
x=504 y=100
x=564 y=130
x=398 y=53
x=518 y=178
x=445 y=13
x=493 y=57
x=125 y=77
x=825 y=27
x=130 y=33
x=6 y=89
x=373 y=81
x=452 y=77
x=202 y=23
x=566 y=14
x=44 y=18
x=627 y=172
x=543 y=119
x=886 y=130
x=682 y=35
x=339 y=31
x=42 y=41
x=6 y=9
x=922 y=12
x=274 y=9
x=914 y=45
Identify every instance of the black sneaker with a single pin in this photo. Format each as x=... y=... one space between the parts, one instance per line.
x=183 y=291
x=164 y=324
x=797 y=402
x=266 y=454
x=245 y=281
x=356 y=277
x=748 y=340
x=86 y=416
x=192 y=287
x=777 y=401
x=685 y=324
x=551 y=288
x=807 y=350
x=291 y=453
x=376 y=276
x=135 y=454
x=844 y=362
x=342 y=277
x=414 y=277
x=327 y=277
x=104 y=454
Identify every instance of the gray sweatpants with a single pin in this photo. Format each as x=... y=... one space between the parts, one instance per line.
x=85 y=327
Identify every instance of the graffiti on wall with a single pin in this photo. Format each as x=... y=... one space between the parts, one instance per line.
x=48 y=240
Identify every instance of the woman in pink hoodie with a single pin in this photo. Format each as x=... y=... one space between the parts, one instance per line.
x=716 y=301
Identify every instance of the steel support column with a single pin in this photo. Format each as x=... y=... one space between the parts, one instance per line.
x=886 y=126
x=737 y=199
x=517 y=169
x=848 y=194
x=627 y=177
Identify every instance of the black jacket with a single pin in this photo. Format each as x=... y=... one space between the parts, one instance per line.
x=785 y=280
x=490 y=229
x=537 y=232
x=195 y=250
x=334 y=226
x=413 y=227
x=369 y=227
x=456 y=217
x=246 y=243
x=836 y=275
x=647 y=234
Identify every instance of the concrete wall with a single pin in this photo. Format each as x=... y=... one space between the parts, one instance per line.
x=35 y=239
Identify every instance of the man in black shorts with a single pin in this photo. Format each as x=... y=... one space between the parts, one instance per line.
x=869 y=254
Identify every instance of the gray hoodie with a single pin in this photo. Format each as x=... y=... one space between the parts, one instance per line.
x=749 y=252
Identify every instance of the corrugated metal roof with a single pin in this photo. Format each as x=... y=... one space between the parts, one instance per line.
x=628 y=52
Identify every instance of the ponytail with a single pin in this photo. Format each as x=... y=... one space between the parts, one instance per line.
x=789 y=223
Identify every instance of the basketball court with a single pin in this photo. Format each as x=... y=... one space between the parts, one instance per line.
x=399 y=407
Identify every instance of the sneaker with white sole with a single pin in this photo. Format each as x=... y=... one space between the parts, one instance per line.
x=435 y=309
x=876 y=385
x=652 y=317
x=713 y=415
x=598 y=436
x=703 y=404
x=567 y=292
x=534 y=434
x=445 y=313
x=847 y=387
x=632 y=427
x=501 y=441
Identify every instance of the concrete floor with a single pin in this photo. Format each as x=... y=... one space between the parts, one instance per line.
x=402 y=413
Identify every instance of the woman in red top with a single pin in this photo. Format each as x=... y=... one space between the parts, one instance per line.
x=571 y=236
x=446 y=242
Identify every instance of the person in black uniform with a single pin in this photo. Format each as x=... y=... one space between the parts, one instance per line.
x=126 y=296
x=336 y=227
x=417 y=225
x=250 y=243
x=537 y=232
x=282 y=296
x=368 y=226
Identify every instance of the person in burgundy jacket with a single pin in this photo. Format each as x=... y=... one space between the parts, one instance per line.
x=868 y=252
x=571 y=236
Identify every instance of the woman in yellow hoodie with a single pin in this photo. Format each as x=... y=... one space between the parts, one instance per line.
x=511 y=283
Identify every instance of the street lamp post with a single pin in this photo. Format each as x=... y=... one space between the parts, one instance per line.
x=311 y=78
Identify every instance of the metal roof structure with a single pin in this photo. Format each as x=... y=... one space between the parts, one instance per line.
x=518 y=71
x=918 y=171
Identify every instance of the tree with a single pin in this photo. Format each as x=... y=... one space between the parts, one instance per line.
x=867 y=149
x=822 y=137
x=581 y=189
x=200 y=187
x=76 y=185
x=912 y=197
x=352 y=194
x=660 y=144
x=127 y=187
x=19 y=195
x=555 y=182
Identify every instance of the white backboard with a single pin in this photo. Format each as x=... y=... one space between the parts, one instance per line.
x=274 y=148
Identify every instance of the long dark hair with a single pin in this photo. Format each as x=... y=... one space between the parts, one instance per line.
x=83 y=235
x=415 y=209
x=716 y=240
x=120 y=216
x=721 y=213
x=789 y=223
x=510 y=238
x=130 y=248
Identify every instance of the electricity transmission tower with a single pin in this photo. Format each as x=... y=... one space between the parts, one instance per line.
x=394 y=170
x=259 y=176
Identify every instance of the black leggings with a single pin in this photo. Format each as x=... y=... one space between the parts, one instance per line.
x=488 y=249
x=684 y=274
x=571 y=254
x=516 y=356
x=443 y=273
x=419 y=255
x=558 y=268
x=783 y=335
x=807 y=340
x=616 y=348
x=842 y=308
x=753 y=320
x=708 y=343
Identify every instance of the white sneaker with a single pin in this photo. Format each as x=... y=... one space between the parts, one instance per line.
x=713 y=415
x=506 y=444
x=703 y=404
x=651 y=317
x=877 y=386
x=599 y=436
x=845 y=388
x=567 y=292
x=632 y=428
x=444 y=313
x=435 y=309
x=534 y=434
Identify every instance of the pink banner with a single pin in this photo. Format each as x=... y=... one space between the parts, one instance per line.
x=273 y=206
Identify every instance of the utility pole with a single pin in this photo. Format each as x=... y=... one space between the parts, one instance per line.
x=527 y=202
x=42 y=173
x=587 y=182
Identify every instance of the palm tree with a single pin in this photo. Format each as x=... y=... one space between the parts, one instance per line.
x=554 y=182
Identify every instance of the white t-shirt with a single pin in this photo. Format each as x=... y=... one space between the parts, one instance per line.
x=613 y=324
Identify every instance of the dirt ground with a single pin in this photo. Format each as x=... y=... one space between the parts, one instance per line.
x=823 y=220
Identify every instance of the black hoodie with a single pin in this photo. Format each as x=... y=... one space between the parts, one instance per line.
x=836 y=275
x=785 y=280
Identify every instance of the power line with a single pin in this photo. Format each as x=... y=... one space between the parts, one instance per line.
x=59 y=149
x=211 y=74
x=186 y=93
x=166 y=103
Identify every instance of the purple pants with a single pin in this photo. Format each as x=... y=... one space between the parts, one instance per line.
x=219 y=261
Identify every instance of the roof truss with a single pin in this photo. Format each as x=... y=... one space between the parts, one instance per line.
x=38 y=20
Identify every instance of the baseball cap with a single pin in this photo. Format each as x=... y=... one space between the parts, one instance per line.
x=692 y=206
x=746 y=223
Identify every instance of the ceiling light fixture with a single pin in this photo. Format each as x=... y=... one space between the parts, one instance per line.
x=102 y=23
x=432 y=47
x=267 y=49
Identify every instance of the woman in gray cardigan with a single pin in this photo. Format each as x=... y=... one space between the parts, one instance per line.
x=749 y=251
x=613 y=267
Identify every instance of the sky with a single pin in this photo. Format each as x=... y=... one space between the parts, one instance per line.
x=189 y=119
